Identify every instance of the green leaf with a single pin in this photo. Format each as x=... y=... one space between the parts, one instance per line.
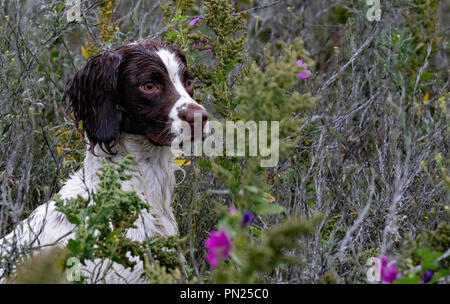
x=268 y=197
x=426 y=76
x=429 y=259
x=252 y=189
x=438 y=275
x=73 y=219
x=171 y=34
x=178 y=19
x=256 y=231
x=408 y=280
x=230 y=66
x=268 y=209
x=204 y=164
x=74 y=247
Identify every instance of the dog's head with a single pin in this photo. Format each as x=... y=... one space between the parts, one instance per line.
x=141 y=88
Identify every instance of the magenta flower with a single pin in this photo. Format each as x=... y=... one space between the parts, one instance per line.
x=202 y=44
x=194 y=22
x=388 y=271
x=233 y=209
x=303 y=75
x=307 y=72
x=247 y=218
x=301 y=64
x=219 y=245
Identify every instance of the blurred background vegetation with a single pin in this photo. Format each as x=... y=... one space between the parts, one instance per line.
x=370 y=154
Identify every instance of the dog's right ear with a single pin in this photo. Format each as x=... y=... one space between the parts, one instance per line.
x=94 y=99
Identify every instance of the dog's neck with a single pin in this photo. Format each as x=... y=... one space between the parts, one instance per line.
x=153 y=178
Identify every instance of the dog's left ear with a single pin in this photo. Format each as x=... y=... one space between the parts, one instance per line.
x=94 y=99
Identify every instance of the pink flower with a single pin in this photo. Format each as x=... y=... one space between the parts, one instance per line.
x=202 y=44
x=388 y=271
x=219 y=245
x=194 y=22
x=233 y=209
x=301 y=64
x=303 y=75
x=307 y=72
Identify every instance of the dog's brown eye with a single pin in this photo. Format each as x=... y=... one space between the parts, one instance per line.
x=189 y=83
x=149 y=87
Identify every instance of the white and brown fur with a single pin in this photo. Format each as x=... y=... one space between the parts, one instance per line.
x=131 y=101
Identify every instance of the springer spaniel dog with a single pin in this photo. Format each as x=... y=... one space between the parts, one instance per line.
x=132 y=100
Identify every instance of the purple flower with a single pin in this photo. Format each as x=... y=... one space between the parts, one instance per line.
x=219 y=245
x=194 y=22
x=388 y=271
x=428 y=276
x=202 y=44
x=247 y=218
x=307 y=72
x=303 y=75
x=390 y=274
x=301 y=64
x=233 y=209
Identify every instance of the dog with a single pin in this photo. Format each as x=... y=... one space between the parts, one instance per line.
x=132 y=100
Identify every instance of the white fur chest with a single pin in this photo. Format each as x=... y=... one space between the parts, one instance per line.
x=152 y=179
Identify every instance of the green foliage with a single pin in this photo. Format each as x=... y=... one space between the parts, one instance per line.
x=425 y=254
x=227 y=45
x=424 y=13
x=106 y=27
x=263 y=94
x=165 y=250
x=223 y=34
x=254 y=257
x=158 y=274
x=101 y=226
x=43 y=267
x=103 y=219
x=266 y=93
x=178 y=28
x=163 y=260
x=436 y=241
